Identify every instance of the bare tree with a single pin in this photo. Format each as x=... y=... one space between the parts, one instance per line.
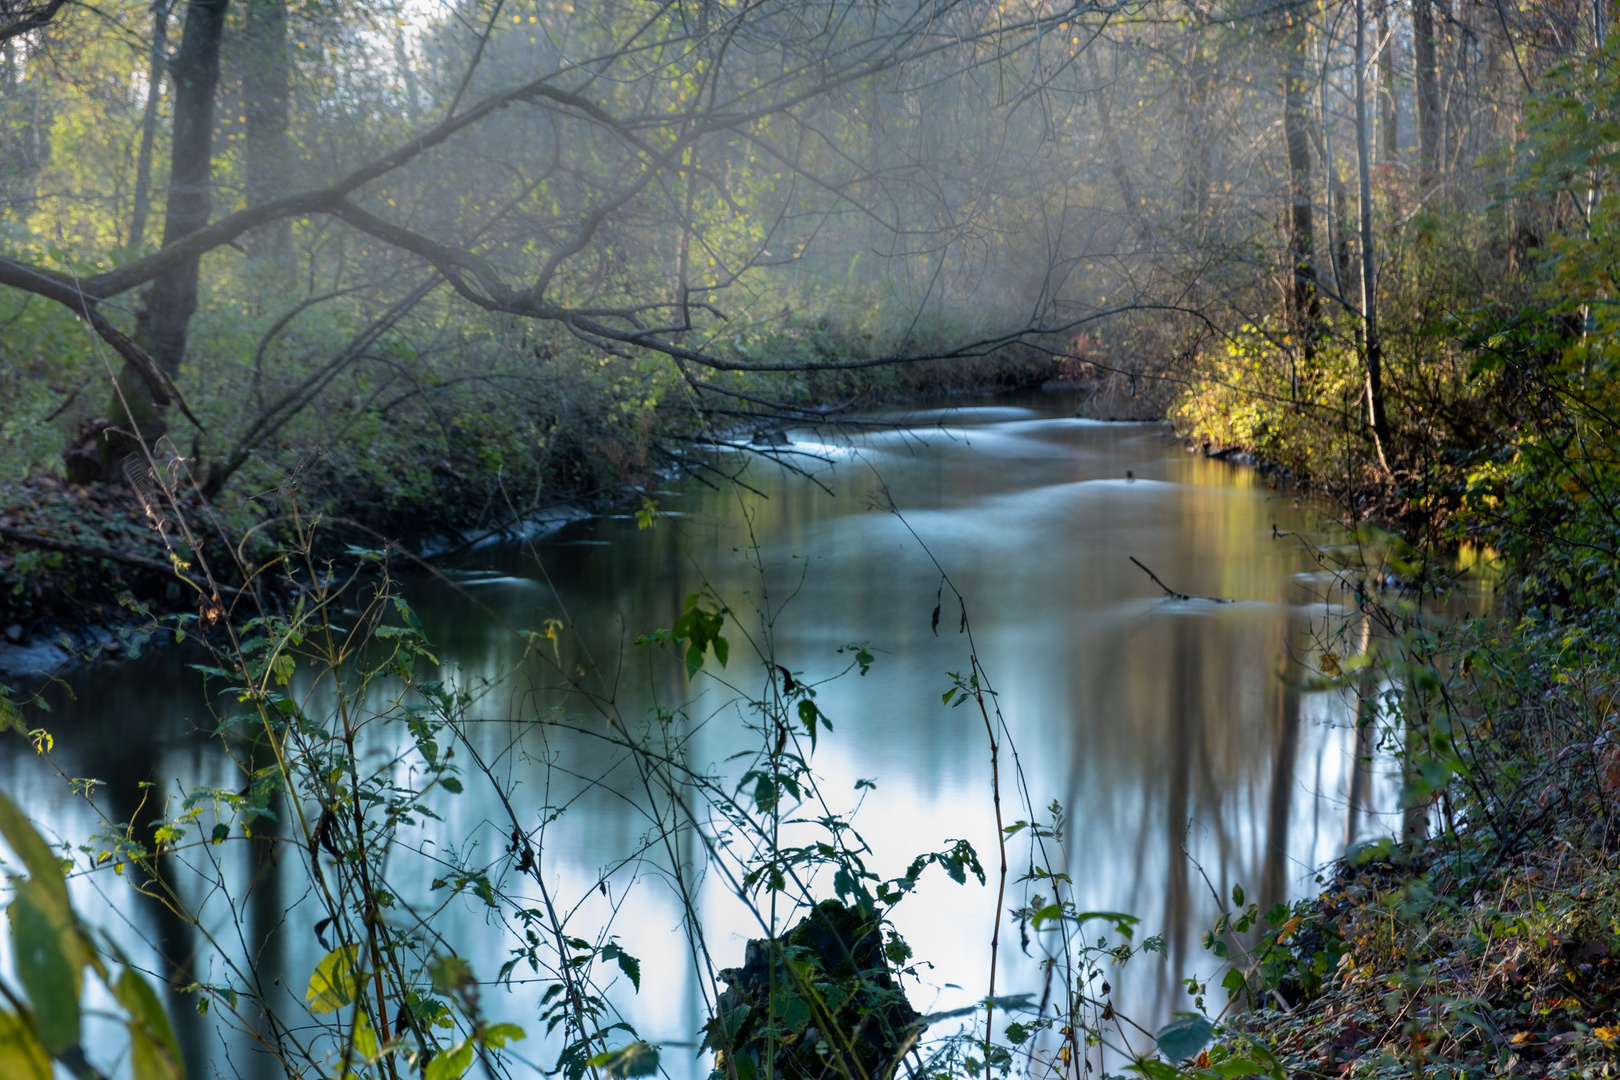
x=583 y=156
x=1372 y=347
x=1306 y=306
x=156 y=69
x=19 y=17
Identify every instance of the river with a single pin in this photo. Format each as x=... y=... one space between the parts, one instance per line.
x=1170 y=730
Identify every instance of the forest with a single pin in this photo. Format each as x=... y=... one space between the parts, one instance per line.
x=300 y=299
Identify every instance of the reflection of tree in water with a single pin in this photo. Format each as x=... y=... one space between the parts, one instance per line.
x=263 y=935
x=1284 y=763
x=1185 y=728
x=127 y=764
x=1217 y=754
x=102 y=746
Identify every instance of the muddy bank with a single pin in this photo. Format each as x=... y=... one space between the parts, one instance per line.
x=92 y=572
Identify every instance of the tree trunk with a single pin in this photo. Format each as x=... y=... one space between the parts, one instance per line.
x=154 y=94
x=408 y=74
x=265 y=92
x=1135 y=207
x=161 y=324
x=1446 y=72
x=1388 y=122
x=1195 y=142
x=1306 y=313
x=1369 y=282
x=1428 y=91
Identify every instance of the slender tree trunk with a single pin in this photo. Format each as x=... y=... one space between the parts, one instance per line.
x=1369 y=280
x=1116 y=155
x=1428 y=91
x=37 y=148
x=1388 y=124
x=408 y=74
x=1338 y=209
x=161 y=324
x=1307 y=307
x=154 y=95
x=265 y=91
x=1195 y=143
x=1446 y=72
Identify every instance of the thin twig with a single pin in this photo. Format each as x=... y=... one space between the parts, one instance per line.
x=1171 y=593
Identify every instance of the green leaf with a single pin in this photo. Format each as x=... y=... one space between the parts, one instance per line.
x=153 y=1047
x=334 y=983
x=21 y=1055
x=637 y=1059
x=1157 y=1070
x=1238 y=1067
x=1123 y=923
x=450 y=1064
x=43 y=866
x=702 y=629
x=221 y=831
x=627 y=963
x=1237 y=895
x=498 y=1035
x=807 y=716
x=410 y=618
x=451 y=973
x=49 y=957
x=1184 y=1036
x=1050 y=911
x=1272 y=1067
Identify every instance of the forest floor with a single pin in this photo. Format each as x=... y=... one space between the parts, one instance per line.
x=1509 y=970
x=1491 y=948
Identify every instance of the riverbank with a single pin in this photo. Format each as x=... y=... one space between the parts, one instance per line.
x=1438 y=968
x=1489 y=946
x=91 y=571
x=86 y=570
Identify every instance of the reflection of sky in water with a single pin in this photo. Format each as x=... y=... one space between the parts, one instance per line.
x=1166 y=728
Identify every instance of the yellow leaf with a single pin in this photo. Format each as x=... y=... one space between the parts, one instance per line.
x=365 y=1039
x=21 y=1055
x=334 y=983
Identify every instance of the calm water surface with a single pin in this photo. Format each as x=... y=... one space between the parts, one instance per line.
x=1169 y=730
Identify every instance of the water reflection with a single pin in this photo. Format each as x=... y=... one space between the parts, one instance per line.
x=1168 y=729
